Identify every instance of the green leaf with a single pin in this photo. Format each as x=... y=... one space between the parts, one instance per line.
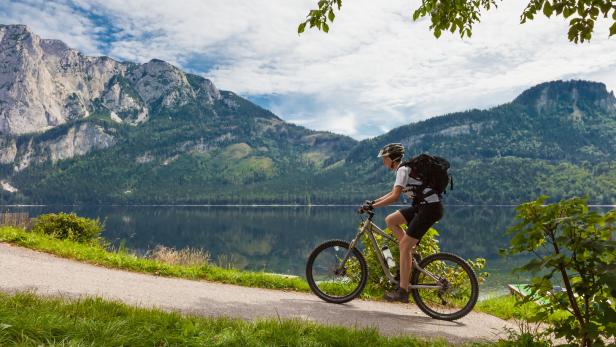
x=594 y=12
x=325 y=27
x=437 y=33
x=568 y=11
x=301 y=28
x=547 y=9
x=331 y=15
x=417 y=13
x=580 y=8
x=613 y=28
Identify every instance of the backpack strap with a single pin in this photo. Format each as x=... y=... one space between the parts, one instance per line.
x=420 y=196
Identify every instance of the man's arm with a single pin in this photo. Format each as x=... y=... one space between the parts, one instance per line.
x=382 y=197
x=389 y=198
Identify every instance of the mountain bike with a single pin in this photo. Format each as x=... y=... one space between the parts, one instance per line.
x=443 y=285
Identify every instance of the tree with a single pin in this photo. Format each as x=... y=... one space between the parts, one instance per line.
x=573 y=246
x=460 y=15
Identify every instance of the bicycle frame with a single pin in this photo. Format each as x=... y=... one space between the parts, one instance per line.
x=369 y=228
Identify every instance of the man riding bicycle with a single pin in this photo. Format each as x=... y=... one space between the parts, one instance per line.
x=426 y=209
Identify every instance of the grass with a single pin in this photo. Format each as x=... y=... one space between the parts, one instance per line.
x=185 y=256
x=121 y=259
x=29 y=320
x=166 y=263
x=506 y=307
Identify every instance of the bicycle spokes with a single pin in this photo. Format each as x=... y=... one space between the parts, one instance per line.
x=335 y=273
x=455 y=290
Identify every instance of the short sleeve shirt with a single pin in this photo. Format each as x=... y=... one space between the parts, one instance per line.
x=404 y=180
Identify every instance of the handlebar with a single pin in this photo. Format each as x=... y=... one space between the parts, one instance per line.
x=362 y=211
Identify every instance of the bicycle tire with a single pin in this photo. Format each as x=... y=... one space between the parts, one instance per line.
x=315 y=287
x=470 y=304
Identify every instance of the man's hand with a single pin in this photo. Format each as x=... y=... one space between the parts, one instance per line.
x=367 y=206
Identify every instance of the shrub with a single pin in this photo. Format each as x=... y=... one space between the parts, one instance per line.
x=575 y=246
x=429 y=245
x=68 y=226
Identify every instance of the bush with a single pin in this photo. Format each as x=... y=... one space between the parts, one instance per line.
x=68 y=226
x=575 y=247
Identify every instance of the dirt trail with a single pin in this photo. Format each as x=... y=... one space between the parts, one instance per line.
x=22 y=269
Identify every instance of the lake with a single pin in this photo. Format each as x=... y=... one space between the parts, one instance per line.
x=279 y=238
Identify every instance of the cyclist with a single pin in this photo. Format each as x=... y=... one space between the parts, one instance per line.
x=419 y=217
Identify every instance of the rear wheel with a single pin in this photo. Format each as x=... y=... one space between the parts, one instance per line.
x=458 y=287
x=331 y=280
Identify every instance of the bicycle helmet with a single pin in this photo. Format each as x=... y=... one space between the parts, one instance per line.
x=395 y=151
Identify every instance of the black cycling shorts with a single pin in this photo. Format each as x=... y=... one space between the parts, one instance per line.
x=420 y=218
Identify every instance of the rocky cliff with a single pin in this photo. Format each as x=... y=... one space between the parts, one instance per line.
x=44 y=83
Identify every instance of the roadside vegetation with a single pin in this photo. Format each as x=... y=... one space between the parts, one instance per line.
x=573 y=247
x=29 y=320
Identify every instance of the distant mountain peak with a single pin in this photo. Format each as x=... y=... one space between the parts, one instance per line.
x=545 y=96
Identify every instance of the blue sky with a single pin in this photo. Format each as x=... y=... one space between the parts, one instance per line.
x=374 y=71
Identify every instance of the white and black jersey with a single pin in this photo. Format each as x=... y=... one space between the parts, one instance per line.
x=410 y=184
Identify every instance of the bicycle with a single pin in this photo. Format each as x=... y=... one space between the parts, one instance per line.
x=443 y=285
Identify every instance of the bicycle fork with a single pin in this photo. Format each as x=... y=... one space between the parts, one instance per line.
x=341 y=267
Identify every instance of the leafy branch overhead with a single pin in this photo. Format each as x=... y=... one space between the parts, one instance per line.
x=460 y=15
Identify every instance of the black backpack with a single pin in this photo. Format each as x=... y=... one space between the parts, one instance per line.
x=431 y=171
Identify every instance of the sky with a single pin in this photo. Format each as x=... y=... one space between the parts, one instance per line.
x=375 y=70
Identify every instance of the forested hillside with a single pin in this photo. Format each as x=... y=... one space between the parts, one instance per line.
x=557 y=138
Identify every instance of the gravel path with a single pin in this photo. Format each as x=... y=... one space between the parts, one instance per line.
x=22 y=269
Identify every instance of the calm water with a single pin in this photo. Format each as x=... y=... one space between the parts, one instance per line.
x=279 y=239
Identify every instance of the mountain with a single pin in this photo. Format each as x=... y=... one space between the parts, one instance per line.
x=557 y=138
x=90 y=130
x=78 y=129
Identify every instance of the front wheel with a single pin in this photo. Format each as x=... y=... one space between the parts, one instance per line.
x=457 y=287
x=331 y=279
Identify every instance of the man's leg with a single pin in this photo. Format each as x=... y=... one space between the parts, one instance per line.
x=407 y=244
x=393 y=222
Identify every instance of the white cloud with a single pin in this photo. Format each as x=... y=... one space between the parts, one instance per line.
x=55 y=20
x=375 y=70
